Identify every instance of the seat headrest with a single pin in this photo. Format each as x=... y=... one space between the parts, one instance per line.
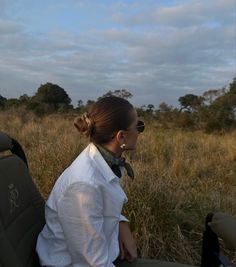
x=5 y=142
x=225 y=227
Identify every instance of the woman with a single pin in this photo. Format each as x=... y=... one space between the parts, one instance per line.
x=84 y=225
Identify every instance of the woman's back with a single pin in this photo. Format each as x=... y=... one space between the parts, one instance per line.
x=87 y=194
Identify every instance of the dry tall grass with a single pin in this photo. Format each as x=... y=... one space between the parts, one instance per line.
x=180 y=177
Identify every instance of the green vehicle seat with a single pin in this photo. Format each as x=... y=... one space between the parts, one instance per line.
x=21 y=208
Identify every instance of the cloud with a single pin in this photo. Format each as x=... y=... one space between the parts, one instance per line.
x=183 y=14
x=9 y=27
x=164 y=53
x=3 y=6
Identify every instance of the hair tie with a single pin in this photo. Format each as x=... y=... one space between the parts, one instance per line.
x=89 y=122
x=87 y=119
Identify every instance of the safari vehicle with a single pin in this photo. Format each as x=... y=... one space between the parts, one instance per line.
x=22 y=215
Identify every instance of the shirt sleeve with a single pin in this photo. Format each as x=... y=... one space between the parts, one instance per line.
x=123 y=218
x=81 y=218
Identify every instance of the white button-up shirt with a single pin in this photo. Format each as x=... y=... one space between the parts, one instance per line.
x=82 y=215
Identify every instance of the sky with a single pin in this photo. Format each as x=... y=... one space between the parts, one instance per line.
x=157 y=50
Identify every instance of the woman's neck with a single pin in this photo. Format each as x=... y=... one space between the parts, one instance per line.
x=114 y=149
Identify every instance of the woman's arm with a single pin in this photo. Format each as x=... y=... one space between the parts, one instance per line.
x=80 y=215
x=128 y=248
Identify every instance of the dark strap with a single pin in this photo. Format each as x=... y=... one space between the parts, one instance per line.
x=8 y=143
x=17 y=150
x=5 y=142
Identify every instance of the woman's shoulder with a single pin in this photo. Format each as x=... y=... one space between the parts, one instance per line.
x=84 y=163
x=85 y=168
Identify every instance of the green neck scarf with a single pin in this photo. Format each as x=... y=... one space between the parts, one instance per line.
x=114 y=162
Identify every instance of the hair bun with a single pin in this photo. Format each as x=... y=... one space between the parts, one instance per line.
x=84 y=124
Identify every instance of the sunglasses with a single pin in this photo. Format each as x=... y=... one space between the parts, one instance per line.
x=140 y=126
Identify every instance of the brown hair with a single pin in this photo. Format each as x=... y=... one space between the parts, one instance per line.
x=104 y=118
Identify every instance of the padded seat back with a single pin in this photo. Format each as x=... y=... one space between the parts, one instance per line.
x=21 y=208
x=217 y=225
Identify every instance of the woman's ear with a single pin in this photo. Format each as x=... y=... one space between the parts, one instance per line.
x=120 y=137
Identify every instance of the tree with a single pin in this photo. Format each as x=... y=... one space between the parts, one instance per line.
x=164 y=108
x=167 y=115
x=80 y=106
x=232 y=92
x=24 y=98
x=228 y=100
x=123 y=93
x=2 y=102
x=80 y=103
x=12 y=103
x=220 y=117
x=53 y=95
x=232 y=86
x=89 y=103
x=150 y=108
x=212 y=94
x=190 y=102
x=141 y=111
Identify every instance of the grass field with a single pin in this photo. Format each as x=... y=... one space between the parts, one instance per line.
x=180 y=177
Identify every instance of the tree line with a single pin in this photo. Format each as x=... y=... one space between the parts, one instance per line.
x=51 y=98
x=214 y=110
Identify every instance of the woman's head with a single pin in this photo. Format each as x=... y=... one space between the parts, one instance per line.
x=107 y=118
